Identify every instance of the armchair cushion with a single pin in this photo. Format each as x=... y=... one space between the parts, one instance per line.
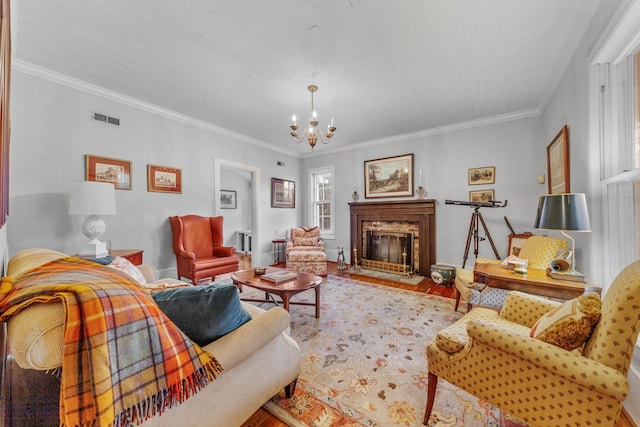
x=305 y=241
x=203 y=313
x=569 y=325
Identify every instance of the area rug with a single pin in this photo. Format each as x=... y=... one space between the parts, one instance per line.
x=396 y=277
x=364 y=361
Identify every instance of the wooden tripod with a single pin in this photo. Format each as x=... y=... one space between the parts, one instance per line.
x=473 y=232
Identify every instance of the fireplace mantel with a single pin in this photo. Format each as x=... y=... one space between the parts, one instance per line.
x=419 y=211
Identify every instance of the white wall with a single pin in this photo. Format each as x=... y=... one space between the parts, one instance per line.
x=240 y=217
x=52 y=131
x=513 y=147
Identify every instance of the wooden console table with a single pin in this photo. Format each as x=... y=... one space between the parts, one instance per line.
x=534 y=282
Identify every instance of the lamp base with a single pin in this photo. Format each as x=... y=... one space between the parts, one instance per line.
x=572 y=276
x=94 y=249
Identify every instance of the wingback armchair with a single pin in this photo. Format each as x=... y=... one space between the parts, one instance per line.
x=305 y=251
x=538 y=250
x=494 y=357
x=197 y=243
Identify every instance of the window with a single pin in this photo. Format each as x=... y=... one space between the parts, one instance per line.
x=322 y=200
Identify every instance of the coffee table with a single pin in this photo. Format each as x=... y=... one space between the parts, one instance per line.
x=285 y=291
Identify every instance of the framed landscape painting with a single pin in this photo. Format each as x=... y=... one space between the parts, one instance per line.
x=164 y=179
x=283 y=193
x=389 y=177
x=105 y=169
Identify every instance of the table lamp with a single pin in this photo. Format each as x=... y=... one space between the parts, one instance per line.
x=564 y=212
x=93 y=198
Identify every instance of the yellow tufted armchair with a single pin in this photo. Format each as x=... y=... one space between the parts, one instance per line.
x=538 y=250
x=492 y=356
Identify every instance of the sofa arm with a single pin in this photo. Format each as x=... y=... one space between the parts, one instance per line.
x=233 y=348
x=570 y=365
x=525 y=309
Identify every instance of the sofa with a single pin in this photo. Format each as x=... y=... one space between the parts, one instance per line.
x=258 y=360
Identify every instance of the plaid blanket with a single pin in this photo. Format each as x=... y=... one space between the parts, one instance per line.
x=123 y=360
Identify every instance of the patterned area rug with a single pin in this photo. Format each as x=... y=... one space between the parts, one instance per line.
x=364 y=361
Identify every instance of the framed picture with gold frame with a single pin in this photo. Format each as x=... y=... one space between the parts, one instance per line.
x=163 y=179
x=482 y=196
x=389 y=177
x=105 y=169
x=558 y=163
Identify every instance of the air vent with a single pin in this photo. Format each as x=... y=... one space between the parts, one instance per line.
x=105 y=119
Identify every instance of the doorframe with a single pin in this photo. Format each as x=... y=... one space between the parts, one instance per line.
x=255 y=197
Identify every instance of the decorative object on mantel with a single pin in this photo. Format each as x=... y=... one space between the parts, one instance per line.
x=355 y=196
x=312 y=134
x=564 y=212
x=94 y=199
x=389 y=177
x=421 y=192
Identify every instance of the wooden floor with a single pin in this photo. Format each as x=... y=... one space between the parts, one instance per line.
x=262 y=418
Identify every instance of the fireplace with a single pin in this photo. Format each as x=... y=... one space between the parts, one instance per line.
x=388 y=251
x=382 y=231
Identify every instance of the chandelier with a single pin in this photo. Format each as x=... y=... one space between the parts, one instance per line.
x=312 y=134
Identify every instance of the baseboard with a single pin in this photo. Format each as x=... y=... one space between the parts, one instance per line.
x=626 y=420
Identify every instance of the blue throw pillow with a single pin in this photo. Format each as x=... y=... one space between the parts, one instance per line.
x=203 y=313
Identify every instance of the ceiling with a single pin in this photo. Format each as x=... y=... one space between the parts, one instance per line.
x=384 y=68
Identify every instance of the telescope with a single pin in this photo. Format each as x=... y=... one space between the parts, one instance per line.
x=490 y=204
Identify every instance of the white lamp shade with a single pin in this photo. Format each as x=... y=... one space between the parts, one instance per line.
x=92 y=198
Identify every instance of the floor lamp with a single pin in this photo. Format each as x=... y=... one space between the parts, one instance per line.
x=93 y=198
x=564 y=212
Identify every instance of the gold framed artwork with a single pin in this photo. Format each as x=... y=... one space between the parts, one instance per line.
x=482 y=176
x=558 y=163
x=163 y=179
x=105 y=169
x=283 y=193
x=389 y=177
x=482 y=196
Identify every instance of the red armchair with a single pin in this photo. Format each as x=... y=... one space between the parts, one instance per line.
x=197 y=243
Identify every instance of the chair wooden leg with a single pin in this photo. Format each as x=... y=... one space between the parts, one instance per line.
x=457 y=300
x=290 y=388
x=431 y=395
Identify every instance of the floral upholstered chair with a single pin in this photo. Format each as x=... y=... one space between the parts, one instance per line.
x=305 y=251
x=539 y=251
x=542 y=361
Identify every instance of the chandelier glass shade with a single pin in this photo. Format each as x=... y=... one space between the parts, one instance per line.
x=312 y=133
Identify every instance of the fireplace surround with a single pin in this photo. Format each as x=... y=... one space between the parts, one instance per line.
x=396 y=218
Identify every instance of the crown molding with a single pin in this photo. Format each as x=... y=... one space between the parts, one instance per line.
x=62 y=79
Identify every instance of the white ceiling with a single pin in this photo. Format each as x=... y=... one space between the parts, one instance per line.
x=384 y=68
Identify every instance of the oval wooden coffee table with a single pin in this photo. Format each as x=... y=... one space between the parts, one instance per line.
x=303 y=282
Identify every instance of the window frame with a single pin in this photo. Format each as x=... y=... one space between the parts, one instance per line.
x=325 y=234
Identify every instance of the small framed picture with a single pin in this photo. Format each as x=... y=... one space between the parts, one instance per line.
x=283 y=193
x=482 y=196
x=164 y=179
x=228 y=199
x=105 y=169
x=482 y=176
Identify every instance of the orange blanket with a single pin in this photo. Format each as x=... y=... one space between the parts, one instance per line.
x=123 y=360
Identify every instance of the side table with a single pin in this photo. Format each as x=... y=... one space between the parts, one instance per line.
x=279 y=246
x=134 y=256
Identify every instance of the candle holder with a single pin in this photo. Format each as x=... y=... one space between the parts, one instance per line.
x=421 y=192
x=355 y=259
x=405 y=273
x=355 y=196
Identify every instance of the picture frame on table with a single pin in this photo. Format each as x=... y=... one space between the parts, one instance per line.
x=164 y=179
x=482 y=176
x=105 y=169
x=558 y=172
x=228 y=199
x=482 y=196
x=283 y=193
x=389 y=177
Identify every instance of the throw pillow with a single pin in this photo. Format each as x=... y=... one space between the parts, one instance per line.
x=569 y=325
x=203 y=313
x=127 y=267
x=306 y=241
